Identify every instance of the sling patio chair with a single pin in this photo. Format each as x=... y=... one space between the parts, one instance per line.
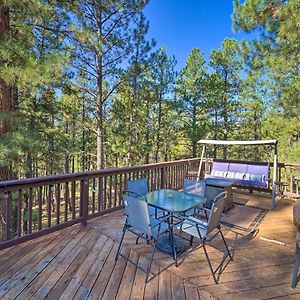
x=191 y=186
x=205 y=231
x=140 y=223
x=139 y=188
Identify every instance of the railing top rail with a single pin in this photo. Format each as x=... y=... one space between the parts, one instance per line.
x=69 y=177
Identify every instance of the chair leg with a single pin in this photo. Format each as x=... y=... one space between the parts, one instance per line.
x=171 y=237
x=296 y=268
x=120 y=245
x=209 y=263
x=206 y=216
x=137 y=239
x=225 y=244
x=150 y=263
x=191 y=240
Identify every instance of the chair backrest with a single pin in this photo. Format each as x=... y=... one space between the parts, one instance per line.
x=216 y=212
x=137 y=213
x=191 y=186
x=138 y=187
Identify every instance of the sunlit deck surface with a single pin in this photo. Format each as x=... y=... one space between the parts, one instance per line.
x=79 y=263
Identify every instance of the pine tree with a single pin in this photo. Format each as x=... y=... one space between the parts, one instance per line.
x=191 y=103
x=101 y=40
x=162 y=77
x=227 y=65
x=275 y=51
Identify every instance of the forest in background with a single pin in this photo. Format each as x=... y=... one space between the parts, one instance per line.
x=82 y=88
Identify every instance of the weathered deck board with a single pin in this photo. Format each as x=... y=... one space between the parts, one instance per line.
x=79 y=263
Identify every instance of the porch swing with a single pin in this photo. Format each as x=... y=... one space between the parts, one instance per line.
x=242 y=174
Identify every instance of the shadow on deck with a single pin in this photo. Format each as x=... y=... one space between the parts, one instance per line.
x=78 y=263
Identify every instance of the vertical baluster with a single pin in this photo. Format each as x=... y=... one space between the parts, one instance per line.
x=57 y=196
x=291 y=181
x=110 y=192
x=49 y=202
x=176 y=176
x=285 y=178
x=166 y=172
x=40 y=203
x=84 y=200
x=19 y=221
x=151 y=180
x=30 y=211
x=66 y=200
x=115 y=190
x=125 y=181
x=7 y=197
x=180 y=177
x=73 y=196
x=120 y=190
x=93 y=194
x=105 y=194
x=100 y=194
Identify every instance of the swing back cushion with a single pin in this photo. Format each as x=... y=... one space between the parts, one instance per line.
x=241 y=174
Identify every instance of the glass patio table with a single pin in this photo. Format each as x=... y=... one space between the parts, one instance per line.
x=174 y=203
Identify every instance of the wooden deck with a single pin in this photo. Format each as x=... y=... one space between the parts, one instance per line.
x=78 y=263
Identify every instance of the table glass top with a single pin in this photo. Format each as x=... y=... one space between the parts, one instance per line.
x=174 y=201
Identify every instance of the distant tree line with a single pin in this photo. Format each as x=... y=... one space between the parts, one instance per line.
x=81 y=87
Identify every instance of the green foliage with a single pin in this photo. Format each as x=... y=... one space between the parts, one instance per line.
x=87 y=82
x=190 y=89
x=275 y=55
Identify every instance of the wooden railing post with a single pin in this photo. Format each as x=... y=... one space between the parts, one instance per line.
x=84 y=200
x=163 y=178
x=7 y=199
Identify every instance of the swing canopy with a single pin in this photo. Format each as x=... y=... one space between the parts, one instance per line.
x=219 y=142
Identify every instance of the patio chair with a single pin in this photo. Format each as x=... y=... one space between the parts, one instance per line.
x=139 y=188
x=191 y=186
x=205 y=231
x=140 y=223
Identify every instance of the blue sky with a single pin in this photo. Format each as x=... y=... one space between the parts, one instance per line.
x=181 y=25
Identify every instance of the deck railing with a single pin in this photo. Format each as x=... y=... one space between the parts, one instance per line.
x=37 y=206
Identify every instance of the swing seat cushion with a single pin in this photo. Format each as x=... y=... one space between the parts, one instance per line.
x=241 y=174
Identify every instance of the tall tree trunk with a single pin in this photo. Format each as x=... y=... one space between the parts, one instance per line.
x=100 y=128
x=194 y=125
x=147 y=138
x=158 y=133
x=83 y=148
x=67 y=155
x=6 y=106
x=129 y=149
x=215 y=131
x=225 y=116
x=132 y=120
